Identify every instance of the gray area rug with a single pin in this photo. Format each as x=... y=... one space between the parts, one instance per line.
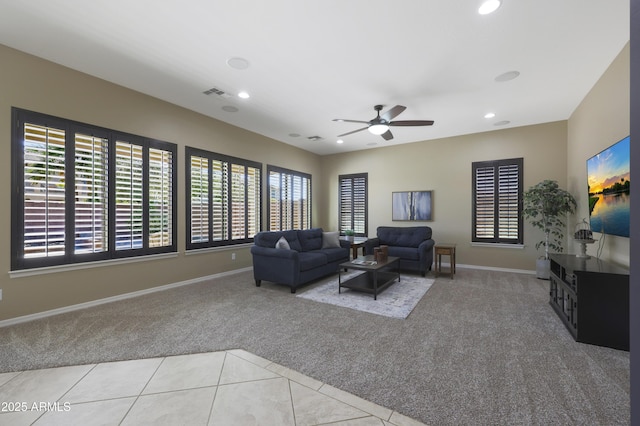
x=397 y=301
x=482 y=349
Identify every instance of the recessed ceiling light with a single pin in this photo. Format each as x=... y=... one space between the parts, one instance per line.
x=243 y=95
x=238 y=63
x=490 y=115
x=501 y=123
x=229 y=108
x=294 y=135
x=509 y=75
x=489 y=6
x=339 y=141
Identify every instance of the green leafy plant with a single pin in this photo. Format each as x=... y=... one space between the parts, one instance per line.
x=349 y=233
x=546 y=206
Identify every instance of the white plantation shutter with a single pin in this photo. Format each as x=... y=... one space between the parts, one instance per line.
x=253 y=201
x=238 y=202
x=91 y=194
x=289 y=199
x=353 y=208
x=129 y=193
x=160 y=198
x=509 y=201
x=224 y=206
x=497 y=201
x=44 y=191
x=220 y=202
x=485 y=202
x=199 y=210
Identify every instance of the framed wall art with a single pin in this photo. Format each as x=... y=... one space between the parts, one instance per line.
x=412 y=205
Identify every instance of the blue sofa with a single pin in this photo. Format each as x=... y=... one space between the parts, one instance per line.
x=307 y=255
x=413 y=245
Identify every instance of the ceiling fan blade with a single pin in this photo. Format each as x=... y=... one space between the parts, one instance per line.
x=350 y=121
x=411 y=123
x=387 y=135
x=393 y=112
x=354 y=131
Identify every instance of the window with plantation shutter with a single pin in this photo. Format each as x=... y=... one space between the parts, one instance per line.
x=85 y=193
x=289 y=199
x=497 y=201
x=224 y=203
x=353 y=209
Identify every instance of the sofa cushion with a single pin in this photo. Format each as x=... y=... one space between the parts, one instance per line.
x=310 y=239
x=311 y=259
x=269 y=239
x=282 y=243
x=333 y=254
x=403 y=236
x=330 y=239
x=409 y=253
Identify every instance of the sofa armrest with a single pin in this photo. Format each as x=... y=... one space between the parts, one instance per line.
x=370 y=244
x=426 y=246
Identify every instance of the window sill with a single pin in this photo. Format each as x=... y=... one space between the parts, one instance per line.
x=499 y=245
x=219 y=248
x=87 y=265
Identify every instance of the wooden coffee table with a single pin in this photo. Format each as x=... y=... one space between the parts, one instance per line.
x=377 y=277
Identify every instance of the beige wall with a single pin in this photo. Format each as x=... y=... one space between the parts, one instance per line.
x=444 y=166
x=551 y=151
x=602 y=119
x=34 y=84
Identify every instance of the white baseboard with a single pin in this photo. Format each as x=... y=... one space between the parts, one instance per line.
x=487 y=268
x=71 y=308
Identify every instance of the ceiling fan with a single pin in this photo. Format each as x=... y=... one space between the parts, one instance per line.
x=380 y=124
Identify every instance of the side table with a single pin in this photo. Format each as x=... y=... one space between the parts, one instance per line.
x=356 y=243
x=445 y=250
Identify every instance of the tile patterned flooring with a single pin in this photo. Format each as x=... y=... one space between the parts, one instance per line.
x=219 y=388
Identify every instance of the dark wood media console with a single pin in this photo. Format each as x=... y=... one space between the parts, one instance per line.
x=591 y=297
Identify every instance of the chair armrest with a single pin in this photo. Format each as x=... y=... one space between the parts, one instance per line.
x=370 y=244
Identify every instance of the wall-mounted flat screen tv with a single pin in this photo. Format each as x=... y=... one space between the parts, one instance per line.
x=608 y=180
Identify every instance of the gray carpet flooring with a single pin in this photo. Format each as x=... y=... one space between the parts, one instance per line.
x=482 y=349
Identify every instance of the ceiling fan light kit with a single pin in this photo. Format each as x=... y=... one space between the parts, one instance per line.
x=378 y=129
x=380 y=125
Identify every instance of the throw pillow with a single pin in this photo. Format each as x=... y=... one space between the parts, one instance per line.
x=282 y=243
x=330 y=240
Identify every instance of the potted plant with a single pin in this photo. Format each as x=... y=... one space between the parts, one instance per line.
x=350 y=234
x=546 y=206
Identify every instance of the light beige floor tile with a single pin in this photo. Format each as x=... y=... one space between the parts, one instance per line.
x=114 y=380
x=248 y=356
x=46 y=385
x=100 y=413
x=189 y=407
x=312 y=408
x=264 y=402
x=295 y=376
x=362 y=404
x=5 y=377
x=19 y=418
x=237 y=370
x=365 y=421
x=186 y=372
x=402 y=420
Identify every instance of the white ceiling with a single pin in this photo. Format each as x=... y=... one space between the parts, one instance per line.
x=312 y=61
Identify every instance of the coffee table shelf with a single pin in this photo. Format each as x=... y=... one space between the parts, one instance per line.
x=376 y=278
